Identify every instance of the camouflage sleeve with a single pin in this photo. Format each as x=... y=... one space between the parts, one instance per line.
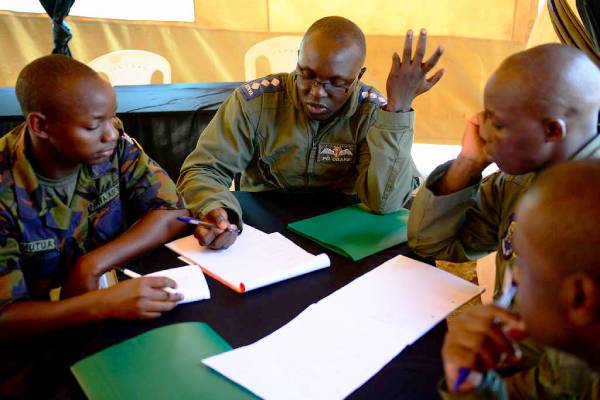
x=458 y=227
x=145 y=185
x=12 y=280
x=386 y=172
x=224 y=148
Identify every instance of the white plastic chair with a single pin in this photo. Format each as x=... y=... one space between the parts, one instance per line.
x=131 y=67
x=280 y=51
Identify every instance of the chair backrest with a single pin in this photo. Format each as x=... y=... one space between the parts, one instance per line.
x=280 y=51
x=131 y=67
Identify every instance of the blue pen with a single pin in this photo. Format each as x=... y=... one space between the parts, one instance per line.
x=196 y=221
x=504 y=302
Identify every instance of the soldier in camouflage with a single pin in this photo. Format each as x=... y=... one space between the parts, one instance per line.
x=316 y=129
x=71 y=186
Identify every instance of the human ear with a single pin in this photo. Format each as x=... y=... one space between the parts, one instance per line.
x=555 y=129
x=36 y=123
x=582 y=294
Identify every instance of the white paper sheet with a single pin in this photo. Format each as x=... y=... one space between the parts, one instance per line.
x=190 y=282
x=256 y=259
x=336 y=345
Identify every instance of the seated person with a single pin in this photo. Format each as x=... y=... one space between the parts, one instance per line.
x=558 y=276
x=541 y=108
x=315 y=129
x=71 y=185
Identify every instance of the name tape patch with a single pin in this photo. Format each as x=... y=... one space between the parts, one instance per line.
x=104 y=198
x=39 y=245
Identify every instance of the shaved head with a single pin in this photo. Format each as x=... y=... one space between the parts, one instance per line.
x=339 y=30
x=541 y=108
x=550 y=79
x=560 y=215
x=49 y=83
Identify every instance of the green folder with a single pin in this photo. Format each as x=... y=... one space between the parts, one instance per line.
x=355 y=231
x=164 y=363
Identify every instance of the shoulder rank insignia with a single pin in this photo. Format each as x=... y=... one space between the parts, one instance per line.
x=369 y=94
x=259 y=86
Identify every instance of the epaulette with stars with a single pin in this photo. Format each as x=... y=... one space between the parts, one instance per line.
x=259 y=86
x=369 y=94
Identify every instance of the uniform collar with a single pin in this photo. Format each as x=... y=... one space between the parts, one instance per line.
x=32 y=203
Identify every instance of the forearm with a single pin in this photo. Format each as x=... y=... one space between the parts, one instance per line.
x=387 y=175
x=152 y=230
x=463 y=172
x=204 y=190
x=28 y=318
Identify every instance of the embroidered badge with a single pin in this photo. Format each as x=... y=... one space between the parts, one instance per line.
x=104 y=199
x=39 y=245
x=259 y=86
x=507 y=246
x=336 y=153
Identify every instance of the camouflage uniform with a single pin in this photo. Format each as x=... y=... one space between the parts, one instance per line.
x=40 y=239
x=262 y=132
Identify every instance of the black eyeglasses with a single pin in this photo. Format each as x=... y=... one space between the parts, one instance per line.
x=334 y=89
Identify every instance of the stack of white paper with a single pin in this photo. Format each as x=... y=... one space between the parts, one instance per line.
x=336 y=345
x=190 y=280
x=256 y=259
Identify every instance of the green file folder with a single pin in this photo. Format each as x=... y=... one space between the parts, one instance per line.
x=355 y=231
x=164 y=363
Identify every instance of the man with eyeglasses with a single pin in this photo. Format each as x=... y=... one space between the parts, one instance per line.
x=316 y=129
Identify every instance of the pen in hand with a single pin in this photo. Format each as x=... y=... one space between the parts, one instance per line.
x=196 y=221
x=464 y=373
x=131 y=274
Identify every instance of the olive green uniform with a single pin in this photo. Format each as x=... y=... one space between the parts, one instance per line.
x=475 y=221
x=262 y=132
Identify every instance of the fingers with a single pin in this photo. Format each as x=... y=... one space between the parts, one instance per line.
x=205 y=236
x=434 y=79
x=422 y=44
x=224 y=240
x=476 y=340
x=433 y=60
x=218 y=216
x=407 y=46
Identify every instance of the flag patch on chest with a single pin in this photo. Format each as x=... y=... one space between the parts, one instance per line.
x=336 y=153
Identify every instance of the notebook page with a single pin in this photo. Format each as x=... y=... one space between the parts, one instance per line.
x=190 y=282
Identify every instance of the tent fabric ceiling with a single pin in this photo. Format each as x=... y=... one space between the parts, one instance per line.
x=476 y=36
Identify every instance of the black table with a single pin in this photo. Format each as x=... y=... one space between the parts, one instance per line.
x=166 y=119
x=243 y=319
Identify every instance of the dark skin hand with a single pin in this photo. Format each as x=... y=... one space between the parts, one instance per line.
x=220 y=237
x=407 y=78
x=141 y=298
x=475 y=340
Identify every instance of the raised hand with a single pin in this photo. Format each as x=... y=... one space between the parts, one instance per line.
x=407 y=78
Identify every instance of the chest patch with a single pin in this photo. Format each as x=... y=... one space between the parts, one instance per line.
x=507 y=239
x=39 y=245
x=104 y=199
x=336 y=153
